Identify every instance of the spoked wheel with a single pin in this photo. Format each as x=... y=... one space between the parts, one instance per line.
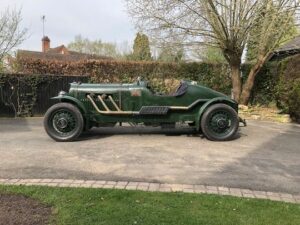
x=63 y=122
x=220 y=122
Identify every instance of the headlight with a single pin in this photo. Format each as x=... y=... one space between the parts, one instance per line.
x=62 y=93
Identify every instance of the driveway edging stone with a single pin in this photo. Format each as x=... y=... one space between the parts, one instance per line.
x=158 y=187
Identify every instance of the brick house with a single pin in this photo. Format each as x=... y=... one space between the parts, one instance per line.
x=59 y=53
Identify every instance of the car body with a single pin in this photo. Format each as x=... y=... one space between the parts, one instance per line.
x=88 y=105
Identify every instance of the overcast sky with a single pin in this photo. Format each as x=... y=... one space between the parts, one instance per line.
x=95 y=19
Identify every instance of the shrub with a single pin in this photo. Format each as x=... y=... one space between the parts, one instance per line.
x=287 y=91
x=294 y=102
x=265 y=84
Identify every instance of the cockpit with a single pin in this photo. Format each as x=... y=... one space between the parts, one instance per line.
x=180 y=90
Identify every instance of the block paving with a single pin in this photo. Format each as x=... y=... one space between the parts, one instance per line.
x=158 y=187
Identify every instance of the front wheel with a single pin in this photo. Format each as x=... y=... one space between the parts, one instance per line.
x=63 y=122
x=220 y=122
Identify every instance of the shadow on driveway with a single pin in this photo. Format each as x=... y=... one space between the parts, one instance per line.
x=273 y=166
x=104 y=132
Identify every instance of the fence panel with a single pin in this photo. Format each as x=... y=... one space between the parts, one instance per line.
x=30 y=95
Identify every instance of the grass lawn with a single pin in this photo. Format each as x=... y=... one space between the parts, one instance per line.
x=114 y=207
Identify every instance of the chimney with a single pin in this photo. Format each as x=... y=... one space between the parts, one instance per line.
x=45 y=44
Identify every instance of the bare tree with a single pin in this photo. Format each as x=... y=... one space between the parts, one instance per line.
x=11 y=34
x=93 y=47
x=225 y=24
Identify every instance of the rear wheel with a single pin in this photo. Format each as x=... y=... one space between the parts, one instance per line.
x=220 y=122
x=63 y=122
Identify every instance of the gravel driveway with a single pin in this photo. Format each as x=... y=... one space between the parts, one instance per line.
x=265 y=156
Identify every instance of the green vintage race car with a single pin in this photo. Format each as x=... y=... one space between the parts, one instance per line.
x=87 y=105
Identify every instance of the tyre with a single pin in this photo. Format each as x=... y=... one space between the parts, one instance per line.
x=220 y=122
x=63 y=122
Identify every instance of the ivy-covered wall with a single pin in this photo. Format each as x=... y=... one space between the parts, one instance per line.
x=28 y=95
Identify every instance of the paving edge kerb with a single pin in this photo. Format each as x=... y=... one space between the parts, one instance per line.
x=145 y=186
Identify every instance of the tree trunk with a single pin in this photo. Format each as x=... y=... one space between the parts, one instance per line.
x=236 y=81
x=248 y=85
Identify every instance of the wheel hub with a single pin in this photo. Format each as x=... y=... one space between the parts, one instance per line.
x=222 y=123
x=62 y=123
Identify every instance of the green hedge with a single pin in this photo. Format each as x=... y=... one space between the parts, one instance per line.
x=215 y=76
x=162 y=75
x=276 y=82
